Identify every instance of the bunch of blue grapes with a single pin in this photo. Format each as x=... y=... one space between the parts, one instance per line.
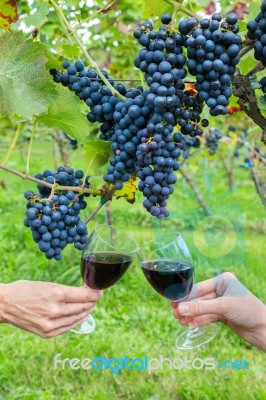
x=141 y=127
x=90 y=88
x=212 y=140
x=55 y=220
x=257 y=32
x=163 y=62
x=213 y=48
x=157 y=160
x=130 y=117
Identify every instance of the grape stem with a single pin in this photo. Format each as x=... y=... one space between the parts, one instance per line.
x=52 y=192
x=79 y=189
x=30 y=148
x=180 y=7
x=71 y=33
x=12 y=145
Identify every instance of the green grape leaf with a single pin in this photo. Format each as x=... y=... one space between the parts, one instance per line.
x=68 y=113
x=254 y=9
x=96 y=154
x=247 y=63
x=38 y=15
x=70 y=51
x=155 y=8
x=8 y=13
x=233 y=101
x=26 y=87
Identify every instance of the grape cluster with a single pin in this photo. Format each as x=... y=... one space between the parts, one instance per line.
x=140 y=127
x=212 y=140
x=213 y=48
x=157 y=160
x=54 y=218
x=163 y=62
x=90 y=88
x=130 y=117
x=257 y=32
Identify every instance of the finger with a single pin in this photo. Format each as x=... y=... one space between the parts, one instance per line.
x=68 y=309
x=203 y=288
x=191 y=323
x=208 y=296
x=204 y=320
x=64 y=329
x=203 y=307
x=83 y=294
x=66 y=321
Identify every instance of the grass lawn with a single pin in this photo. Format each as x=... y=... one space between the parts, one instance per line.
x=132 y=319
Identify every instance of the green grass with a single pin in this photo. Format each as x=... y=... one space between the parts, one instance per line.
x=131 y=318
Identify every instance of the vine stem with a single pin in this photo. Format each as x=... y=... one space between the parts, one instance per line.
x=30 y=148
x=258 y=67
x=180 y=7
x=251 y=150
x=93 y=213
x=174 y=14
x=92 y=63
x=12 y=145
x=246 y=49
x=50 y=185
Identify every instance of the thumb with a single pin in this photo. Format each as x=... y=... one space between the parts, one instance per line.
x=202 y=307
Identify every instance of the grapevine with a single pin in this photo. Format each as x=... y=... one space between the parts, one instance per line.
x=186 y=69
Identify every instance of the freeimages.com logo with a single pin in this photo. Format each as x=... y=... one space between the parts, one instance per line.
x=146 y=364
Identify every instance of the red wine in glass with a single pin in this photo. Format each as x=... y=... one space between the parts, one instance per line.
x=172 y=279
x=105 y=259
x=168 y=267
x=103 y=269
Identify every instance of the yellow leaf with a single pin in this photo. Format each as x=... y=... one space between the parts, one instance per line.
x=8 y=13
x=128 y=191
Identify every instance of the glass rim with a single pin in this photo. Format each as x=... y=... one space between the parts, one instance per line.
x=112 y=227
x=173 y=234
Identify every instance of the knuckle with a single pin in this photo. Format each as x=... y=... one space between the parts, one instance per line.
x=54 y=311
x=200 y=306
x=228 y=275
x=47 y=327
x=60 y=293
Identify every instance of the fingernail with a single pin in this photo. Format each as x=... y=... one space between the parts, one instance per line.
x=183 y=308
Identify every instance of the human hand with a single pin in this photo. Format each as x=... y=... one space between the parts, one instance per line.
x=44 y=308
x=225 y=299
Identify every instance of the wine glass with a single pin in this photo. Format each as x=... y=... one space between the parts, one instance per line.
x=168 y=266
x=104 y=261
